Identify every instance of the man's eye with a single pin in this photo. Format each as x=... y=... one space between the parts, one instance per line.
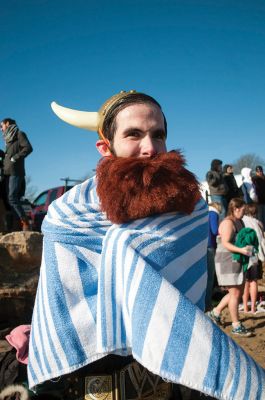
x=134 y=134
x=160 y=135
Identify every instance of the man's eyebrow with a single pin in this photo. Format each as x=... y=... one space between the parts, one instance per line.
x=131 y=129
x=155 y=131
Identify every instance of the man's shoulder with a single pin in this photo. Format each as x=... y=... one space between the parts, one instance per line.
x=74 y=205
x=21 y=133
x=212 y=173
x=83 y=193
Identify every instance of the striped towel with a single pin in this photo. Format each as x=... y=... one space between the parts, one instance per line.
x=136 y=288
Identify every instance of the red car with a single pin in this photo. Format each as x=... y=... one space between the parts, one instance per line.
x=41 y=203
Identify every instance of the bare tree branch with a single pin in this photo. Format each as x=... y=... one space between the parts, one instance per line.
x=249 y=160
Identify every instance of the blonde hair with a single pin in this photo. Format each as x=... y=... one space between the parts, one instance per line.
x=216 y=205
x=233 y=204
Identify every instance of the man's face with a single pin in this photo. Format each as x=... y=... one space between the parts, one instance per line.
x=229 y=170
x=219 y=168
x=4 y=126
x=140 y=131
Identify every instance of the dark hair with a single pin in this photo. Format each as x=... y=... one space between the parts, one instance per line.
x=233 y=204
x=9 y=120
x=109 y=125
x=215 y=164
x=225 y=167
x=251 y=210
x=259 y=168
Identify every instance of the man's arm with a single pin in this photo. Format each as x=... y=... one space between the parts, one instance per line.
x=25 y=147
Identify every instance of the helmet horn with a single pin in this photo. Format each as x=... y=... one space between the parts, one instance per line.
x=81 y=119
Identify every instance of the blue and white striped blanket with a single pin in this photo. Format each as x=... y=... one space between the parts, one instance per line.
x=136 y=288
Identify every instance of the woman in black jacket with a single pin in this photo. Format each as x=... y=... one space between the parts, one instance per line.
x=230 y=181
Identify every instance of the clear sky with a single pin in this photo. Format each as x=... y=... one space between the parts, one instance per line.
x=203 y=60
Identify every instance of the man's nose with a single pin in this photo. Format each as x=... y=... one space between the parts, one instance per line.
x=148 y=147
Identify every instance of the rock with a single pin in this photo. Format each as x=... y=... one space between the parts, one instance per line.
x=20 y=251
x=20 y=260
x=16 y=306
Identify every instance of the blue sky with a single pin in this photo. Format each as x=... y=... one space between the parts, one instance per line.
x=204 y=61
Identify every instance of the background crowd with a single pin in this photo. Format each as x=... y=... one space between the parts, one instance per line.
x=236 y=245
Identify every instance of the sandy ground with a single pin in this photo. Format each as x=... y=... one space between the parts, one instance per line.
x=255 y=345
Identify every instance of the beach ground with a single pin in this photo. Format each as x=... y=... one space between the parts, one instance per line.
x=254 y=345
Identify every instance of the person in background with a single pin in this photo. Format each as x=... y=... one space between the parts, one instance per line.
x=247 y=186
x=255 y=271
x=2 y=192
x=217 y=185
x=230 y=274
x=214 y=211
x=230 y=181
x=18 y=148
x=259 y=184
x=2 y=156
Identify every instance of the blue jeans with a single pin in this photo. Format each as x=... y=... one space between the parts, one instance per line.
x=15 y=189
x=222 y=200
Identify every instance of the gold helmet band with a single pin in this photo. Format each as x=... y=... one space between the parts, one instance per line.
x=92 y=121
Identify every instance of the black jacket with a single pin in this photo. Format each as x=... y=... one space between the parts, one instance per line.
x=232 y=189
x=2 y=156
x=259 y=183
x=19 y=148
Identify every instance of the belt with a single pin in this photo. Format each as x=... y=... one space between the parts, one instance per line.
x=132 y=382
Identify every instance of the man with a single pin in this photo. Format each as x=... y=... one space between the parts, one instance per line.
x=2 y=192
x=259 y=184
x=18 y=148
x=217 y=185
x=124 y=265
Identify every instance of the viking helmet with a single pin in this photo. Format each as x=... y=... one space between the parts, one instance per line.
x=92 y=121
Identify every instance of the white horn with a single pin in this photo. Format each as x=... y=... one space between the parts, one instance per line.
x=81 y=119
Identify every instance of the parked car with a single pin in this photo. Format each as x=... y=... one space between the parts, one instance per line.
x=40 y=205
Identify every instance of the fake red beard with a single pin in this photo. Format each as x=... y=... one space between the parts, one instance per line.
x=132 y=188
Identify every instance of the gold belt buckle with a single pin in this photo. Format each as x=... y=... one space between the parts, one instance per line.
x=99 y=387
x=133 y=382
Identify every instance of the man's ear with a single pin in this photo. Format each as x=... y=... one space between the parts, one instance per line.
x=103 y=148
